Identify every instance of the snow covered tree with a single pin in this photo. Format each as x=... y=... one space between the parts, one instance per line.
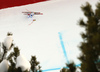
x=90 y=47
x=6 y=45
x=12 y=61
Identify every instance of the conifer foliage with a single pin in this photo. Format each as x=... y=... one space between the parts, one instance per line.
x=90 y=47
x=35 y=67
x=69 y=68
x=12 y=61
x=64 y=70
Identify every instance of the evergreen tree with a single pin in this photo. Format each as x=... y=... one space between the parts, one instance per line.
x=12 y=59
x=90 y=47
x=63 y=70
x=35 y=67
x=6 y=46
x=69 y=67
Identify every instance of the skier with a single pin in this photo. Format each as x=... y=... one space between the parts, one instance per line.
x=30 y=15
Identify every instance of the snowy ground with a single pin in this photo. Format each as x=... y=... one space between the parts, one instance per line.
x=41 y=38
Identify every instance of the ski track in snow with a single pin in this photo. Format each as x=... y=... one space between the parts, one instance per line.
x=41 y=38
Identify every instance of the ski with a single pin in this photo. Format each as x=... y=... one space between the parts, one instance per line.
x=32 y=21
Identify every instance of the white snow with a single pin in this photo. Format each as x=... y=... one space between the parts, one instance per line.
x=23 y=63
x=41 y=38
x=78 y=70
x=4 y=66
x=7 y=42
x=1 y=53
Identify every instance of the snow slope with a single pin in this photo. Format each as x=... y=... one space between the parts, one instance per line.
x=41 y=38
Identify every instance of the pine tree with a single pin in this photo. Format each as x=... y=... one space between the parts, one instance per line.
x=63 y=70
x=90 y=47
x=12 y=59
x=35 y=67
x=6 y=46
x=69 y=67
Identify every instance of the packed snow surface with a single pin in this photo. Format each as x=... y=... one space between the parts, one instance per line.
x=41 y=38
